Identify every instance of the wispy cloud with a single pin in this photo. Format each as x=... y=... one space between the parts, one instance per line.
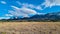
x=38 y=7
x=57 y=2
x=8 y=15
x=41 y=13
x=50 y=3
x=46 y=3
x=3 y=2
x=24 y=12
x=4 y=18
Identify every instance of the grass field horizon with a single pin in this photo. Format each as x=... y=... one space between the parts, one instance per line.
x=29 y=27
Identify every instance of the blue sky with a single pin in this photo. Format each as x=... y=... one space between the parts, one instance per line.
x=27 y=8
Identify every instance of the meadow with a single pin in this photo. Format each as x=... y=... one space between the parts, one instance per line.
x=29 y=27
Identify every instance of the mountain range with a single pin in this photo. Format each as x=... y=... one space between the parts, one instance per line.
x=55 y=16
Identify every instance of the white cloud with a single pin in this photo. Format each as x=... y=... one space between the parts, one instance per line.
x=15 y=7
x=41 y=13
x=39 y=8
x=24 y=12
x=8 y=15
x=28 y=11
x=50 y=3
x=57 y=2
x=4 y=18
x=17 y=13
x=29 y=5
x=3 y=2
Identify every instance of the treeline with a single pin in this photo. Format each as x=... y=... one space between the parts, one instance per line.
x=29 y=20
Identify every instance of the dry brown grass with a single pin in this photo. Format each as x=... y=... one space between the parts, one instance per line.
x=30 y=28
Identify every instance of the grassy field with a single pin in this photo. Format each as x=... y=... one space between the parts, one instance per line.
x=29 y=27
